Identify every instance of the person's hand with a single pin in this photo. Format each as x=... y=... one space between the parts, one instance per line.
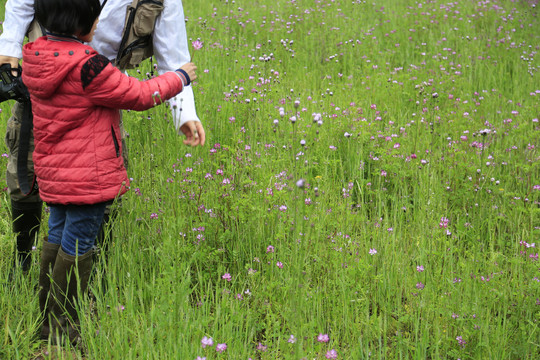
x=194 y=132
x=13 y=61
x=190 y=68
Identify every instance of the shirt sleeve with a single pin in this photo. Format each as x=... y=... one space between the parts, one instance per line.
x=18 y=16
x=171 y=51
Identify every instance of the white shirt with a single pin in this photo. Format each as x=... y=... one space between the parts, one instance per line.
x=170 y=41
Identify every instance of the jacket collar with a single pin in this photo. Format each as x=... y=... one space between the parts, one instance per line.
x=62 y=37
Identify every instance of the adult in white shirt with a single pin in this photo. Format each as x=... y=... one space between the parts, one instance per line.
x=171 y=52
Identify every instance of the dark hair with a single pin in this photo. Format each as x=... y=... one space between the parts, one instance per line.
x=67 y=16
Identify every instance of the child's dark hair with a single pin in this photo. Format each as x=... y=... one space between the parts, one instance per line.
x=67 y=16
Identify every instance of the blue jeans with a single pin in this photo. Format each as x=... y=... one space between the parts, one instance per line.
x=75 y=227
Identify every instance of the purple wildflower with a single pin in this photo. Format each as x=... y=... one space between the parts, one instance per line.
x=197 y=44
x=323 y=338
x=331 y=354
x=221 y=347
x=461 y=342
x=206 y=341
x=443 y=224
x=291 y=340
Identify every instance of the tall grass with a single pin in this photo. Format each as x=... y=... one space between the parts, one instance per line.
x=398 y=214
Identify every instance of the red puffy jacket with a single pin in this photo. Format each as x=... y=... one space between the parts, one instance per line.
x=76 y=94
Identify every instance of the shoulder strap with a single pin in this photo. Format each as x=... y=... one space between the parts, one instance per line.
x=35 y=30
x=24 y=149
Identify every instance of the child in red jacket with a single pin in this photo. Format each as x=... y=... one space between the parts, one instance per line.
x=76 y=96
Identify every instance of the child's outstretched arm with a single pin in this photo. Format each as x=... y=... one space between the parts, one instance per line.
x=107 y=86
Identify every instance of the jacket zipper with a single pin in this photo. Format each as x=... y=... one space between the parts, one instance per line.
x=115 y=140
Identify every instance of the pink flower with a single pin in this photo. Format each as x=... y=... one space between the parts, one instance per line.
x=221 y=347
x=461 y=342
x=279 y=264
x=372 y=251
x=323 y=338
x=227 y=277
x=331 y=354
x=419 y=268
x=269 y=249
x=197 y=44
x=291 y=340
x=443 y=224
x=206 y=341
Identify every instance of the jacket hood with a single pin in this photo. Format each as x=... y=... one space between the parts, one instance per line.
x=47 y=63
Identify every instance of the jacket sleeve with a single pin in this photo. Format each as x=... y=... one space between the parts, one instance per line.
x=18 y=16
x=171 y=29
x=114 y=89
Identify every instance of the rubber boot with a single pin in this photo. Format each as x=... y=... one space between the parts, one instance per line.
x=26 y=221
x=64 y=294
x=49 y=252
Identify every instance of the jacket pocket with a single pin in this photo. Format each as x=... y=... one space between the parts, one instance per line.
x=115 y=140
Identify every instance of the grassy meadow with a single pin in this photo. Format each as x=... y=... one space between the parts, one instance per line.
x=370 y=189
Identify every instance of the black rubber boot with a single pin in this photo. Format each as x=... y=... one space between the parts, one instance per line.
x=49 y=252
x=65 y=290
x=26 y=221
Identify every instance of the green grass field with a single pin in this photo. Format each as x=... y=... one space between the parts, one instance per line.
x=370 y=189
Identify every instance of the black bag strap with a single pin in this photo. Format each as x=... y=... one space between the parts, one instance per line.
x=24 y=147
